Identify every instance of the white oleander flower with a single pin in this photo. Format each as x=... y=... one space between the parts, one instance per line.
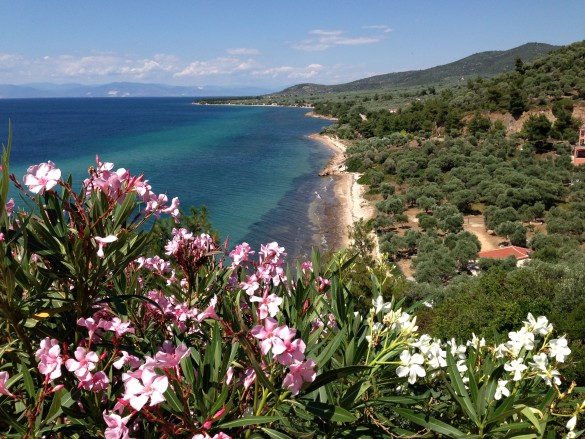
x=458 y=351
x=559 y=349
x=502 y=350
x=475 y=342
x=411 y=366
x=435 y=356
x=517 y=367
x=539 y=326
x=572 y=423
x=522 y=339
x=380 y=305
x=540 y=366
x=501 y=390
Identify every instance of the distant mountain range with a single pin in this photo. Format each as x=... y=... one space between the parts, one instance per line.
x=121 y=89
x=483 y=64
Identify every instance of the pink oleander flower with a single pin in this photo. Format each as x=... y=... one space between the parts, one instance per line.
x=116 y=426
x=229 y=375
x=173 y=210
x=241 y=253
x=251 y=285
x=84 y=363
x=220 y=435
x=49 y=357
x=98 y=382
x=269 y=305
x=249 y=378
x=3 y=390
x=209 y=312
x=307 y=267
x=9 y=206
x=126 y=358
x=299 y=373
x=149 y=387
x=272 y=253
x=91 y=324
x=116 y=325
x=169 y=356
x=270 y=341
x=154 y=264
x=322 y=283
x=102 y=242
x=1 y=236
x=294 y=350
x=40 y=178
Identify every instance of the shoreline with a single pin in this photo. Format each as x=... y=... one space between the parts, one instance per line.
x=352 y=205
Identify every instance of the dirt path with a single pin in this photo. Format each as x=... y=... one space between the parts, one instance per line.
x=472 y=223
x=476 y=224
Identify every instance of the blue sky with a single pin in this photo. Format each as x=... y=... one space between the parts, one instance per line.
x=263 y=43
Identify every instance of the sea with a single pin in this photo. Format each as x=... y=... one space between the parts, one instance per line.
x=254 y=168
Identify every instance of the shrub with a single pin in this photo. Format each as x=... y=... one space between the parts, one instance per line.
x=100 y=339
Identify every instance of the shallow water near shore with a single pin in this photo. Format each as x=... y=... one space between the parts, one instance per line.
x=253 y=167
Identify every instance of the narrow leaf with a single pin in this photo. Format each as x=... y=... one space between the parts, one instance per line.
x=249 y=420
x=331 y=412
x=429 y=422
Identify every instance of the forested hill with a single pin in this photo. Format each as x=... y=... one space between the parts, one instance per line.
x=480 y=64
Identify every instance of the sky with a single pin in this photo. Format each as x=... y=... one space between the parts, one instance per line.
x=270 y=44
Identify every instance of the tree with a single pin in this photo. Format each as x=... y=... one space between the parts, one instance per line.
x=463 y=199
x=465 y=250
x=536 y=129
x=425 y=202
x=387 y=190
x=478 y=124
x=518 y=103
x=426 y=222
x=514 y=232
x=449 y=219
x=435 y=266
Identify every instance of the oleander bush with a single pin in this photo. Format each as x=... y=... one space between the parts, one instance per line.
x=101 y=339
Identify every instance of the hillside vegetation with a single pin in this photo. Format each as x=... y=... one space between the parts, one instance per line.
x=443 y=160
x=480 y=64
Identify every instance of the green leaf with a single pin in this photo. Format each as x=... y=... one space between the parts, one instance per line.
x=331 y=412
x=430 y=423
x=458 y=390
x=529 y=414
x=61 y=398
x=331 y=348
x=352 y=394
x=188 y=370
x=332 y=375
x=28 y=381
x=249 y=420
x=173 y=400
x=15 y=424
x=275 y=434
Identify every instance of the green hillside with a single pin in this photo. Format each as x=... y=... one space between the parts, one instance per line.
x=483 y=64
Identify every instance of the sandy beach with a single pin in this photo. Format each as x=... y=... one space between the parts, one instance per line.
x=349 y=193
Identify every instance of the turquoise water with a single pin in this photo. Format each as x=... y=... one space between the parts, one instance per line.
x=253 y=167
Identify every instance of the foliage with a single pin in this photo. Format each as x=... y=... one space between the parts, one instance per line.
x=102 y=340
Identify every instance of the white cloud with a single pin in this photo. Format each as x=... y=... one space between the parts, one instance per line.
x=243 y=51
x=381 y=27
x=288 y=72
x=104 y=67
x=218 y=66
x=326 y=39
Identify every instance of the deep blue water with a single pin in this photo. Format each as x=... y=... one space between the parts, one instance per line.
x=253 y=167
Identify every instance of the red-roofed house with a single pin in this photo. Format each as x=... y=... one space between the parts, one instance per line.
x=519 y=253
